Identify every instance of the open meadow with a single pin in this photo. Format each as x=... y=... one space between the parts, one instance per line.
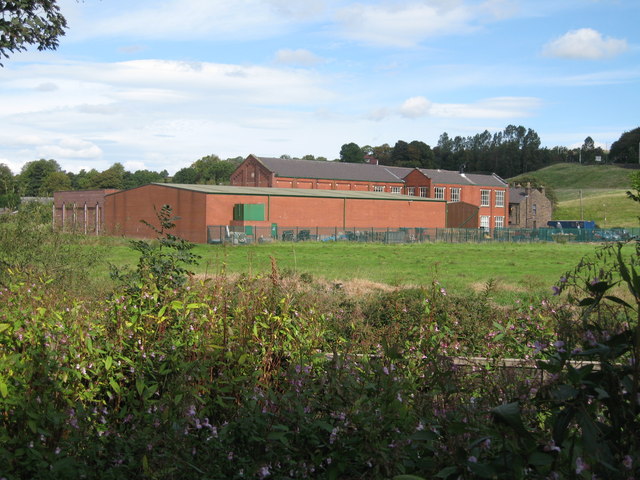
x=508 y=270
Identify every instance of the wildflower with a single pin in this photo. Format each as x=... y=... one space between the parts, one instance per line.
x=57 y=451
x=472 y=459
x=537 y=347
x=559 y=345
x=556 y=290
x=333 y=436
x=581 y=466
x=591 y=338
x=263 y=472
x=627 y=461
x=443 y=291
x=551 y=447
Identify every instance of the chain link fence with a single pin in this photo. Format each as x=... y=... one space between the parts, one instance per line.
x=217 y=234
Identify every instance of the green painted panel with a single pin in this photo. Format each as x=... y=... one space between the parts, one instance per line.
x=248 y=211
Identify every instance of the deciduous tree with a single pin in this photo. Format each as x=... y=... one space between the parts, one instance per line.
x=31 y=22
x=351 y=153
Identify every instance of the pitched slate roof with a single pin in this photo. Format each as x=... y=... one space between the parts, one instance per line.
x=294 y=168
x=517 y=195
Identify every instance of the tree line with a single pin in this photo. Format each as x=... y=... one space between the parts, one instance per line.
x=40 y=178
x=514 y=151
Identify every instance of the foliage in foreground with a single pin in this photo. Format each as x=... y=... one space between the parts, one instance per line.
x=252 y=379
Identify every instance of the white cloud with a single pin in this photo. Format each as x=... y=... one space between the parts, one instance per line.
x=585 y=43
x=415 y=107
x=297 y=57
x=159 y=110
x=70 y=148
x=490 y=108
x=402 y=25
x=178 y=20
x=408 y=23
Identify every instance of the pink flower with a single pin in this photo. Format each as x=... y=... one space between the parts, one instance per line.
x=581 y=466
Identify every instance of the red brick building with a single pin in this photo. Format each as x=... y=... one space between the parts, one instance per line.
x=268 y=209
x=80 y=210
x=489 y=193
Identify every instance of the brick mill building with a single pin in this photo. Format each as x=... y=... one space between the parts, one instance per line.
x=267 y=212
x=474 y=200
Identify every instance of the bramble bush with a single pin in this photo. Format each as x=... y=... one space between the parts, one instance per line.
x=169 y=377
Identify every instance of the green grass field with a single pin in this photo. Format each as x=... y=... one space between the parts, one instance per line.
x=513 y=270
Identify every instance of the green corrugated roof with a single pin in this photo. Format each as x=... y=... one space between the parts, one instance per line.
x=292 y=192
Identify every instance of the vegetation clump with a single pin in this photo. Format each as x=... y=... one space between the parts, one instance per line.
x=248 y=377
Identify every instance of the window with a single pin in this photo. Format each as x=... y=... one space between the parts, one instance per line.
x=535 y=209
x=378 y=188
x=484 y=221
x=455 y=194
x=439 y=193
x=484 y=198
x=396 y=190
x=411 y=191
x=499 y=222
x=499 y=198
x=424 y=192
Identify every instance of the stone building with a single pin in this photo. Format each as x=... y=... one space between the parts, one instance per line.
x=529 y=207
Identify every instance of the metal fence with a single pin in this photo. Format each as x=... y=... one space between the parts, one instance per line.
x=217 y=234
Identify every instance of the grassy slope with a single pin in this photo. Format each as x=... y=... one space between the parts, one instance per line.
x=603 y=193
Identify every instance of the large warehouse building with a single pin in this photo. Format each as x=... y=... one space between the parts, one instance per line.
x=266 y=212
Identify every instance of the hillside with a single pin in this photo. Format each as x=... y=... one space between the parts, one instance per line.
x=575 y=176
x=590 y=192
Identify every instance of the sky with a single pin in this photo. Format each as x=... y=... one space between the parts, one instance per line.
x=158 y=84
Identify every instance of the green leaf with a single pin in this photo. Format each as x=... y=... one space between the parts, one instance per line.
x=447 y=472
x=108 y=362
x=540 y=459
x=482 y=470
x=424 y=435
x=585 y=302
x=563 y=393
x=140 y=385
x=509 y=413
x=114 y=385
x=617 y=300
x=4 y=326
x=33 y=426
x=408 y=477
x=3 y=389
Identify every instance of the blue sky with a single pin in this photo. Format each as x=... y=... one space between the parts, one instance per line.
x=157 y=84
